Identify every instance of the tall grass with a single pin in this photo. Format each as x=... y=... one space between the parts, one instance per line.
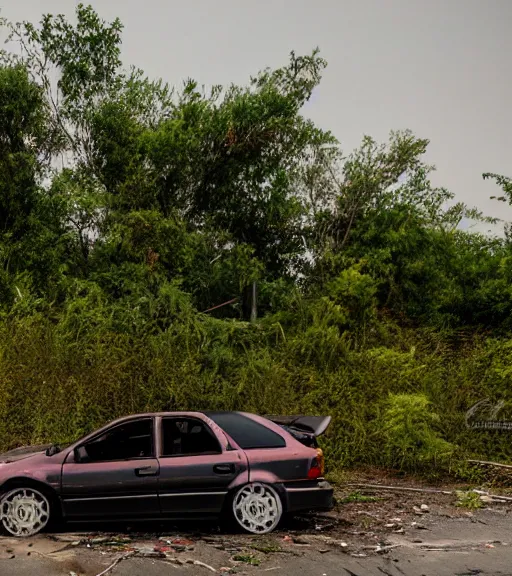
x=399 y=400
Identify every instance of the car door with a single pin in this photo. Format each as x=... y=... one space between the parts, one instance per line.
x=114 y=474
x=195 y=469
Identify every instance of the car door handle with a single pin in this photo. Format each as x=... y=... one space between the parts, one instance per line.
x=224 y=468
x=146 y=471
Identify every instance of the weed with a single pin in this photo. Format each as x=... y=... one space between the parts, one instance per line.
x=247 y=559
x=266 y=547
x=337 y=476
x=468 y=473
x=366 y=522
x=358 y=497
x=469 y=499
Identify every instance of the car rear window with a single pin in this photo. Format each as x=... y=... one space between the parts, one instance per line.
x=246 y=432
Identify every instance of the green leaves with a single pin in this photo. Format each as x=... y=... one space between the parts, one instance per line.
x=84 y=58
x=296 y=81
x=86 y=55
x=504 y=183
x=412 y=439
x=226 y=159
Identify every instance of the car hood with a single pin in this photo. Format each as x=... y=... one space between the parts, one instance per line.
x=22 y=453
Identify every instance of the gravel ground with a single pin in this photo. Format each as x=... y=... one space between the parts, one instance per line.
x=371 y=531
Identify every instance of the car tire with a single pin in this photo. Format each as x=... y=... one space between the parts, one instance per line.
x=25 y=511
x=256 y=508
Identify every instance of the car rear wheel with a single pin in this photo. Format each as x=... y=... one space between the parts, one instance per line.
x=257 y=508
x=24 y=511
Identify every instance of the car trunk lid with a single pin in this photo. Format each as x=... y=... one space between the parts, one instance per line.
x=305 y=429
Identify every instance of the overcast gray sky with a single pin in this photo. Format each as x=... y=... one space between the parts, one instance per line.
x=442 y=68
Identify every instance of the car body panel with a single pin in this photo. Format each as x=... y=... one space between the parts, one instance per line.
x=36 y=467
x=110 y=489
x=191 y=483
x=198 y=484
x=304 y=496
x=282 y=464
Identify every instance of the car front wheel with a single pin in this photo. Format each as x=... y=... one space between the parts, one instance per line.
x=257 y=508
x=24 y=512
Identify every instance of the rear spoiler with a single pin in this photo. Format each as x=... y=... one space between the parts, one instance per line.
x=315 y=425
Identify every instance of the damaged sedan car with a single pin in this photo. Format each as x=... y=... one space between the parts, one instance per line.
x=171 y=466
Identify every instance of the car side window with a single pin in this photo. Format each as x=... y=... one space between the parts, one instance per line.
x=246 y=432
x=127 y=441
x=187 y=437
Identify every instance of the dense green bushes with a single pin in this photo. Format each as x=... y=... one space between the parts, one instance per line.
x=55 y=386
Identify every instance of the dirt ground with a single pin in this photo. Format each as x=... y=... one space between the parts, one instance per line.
x=370 y=531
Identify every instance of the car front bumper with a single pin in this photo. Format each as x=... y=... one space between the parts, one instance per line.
x=304 y=496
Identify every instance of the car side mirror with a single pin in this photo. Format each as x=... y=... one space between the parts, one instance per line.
x=52 y=450
x=76 y=454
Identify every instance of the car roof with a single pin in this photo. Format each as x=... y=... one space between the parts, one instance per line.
x=178 y=413
x=131 y=417
x=246 y=429
x=190 y=413
x=154 y=414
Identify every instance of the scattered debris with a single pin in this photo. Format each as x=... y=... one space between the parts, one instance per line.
x=202 y=564
x=366 y=524
x=175 y=544
x=418 y=526
x=301 y=541
x=493 y=497
x=115 y=563
x=71 y=538
x=400 y=488
x=485 y=463
x=382 y=547
x=366 y=513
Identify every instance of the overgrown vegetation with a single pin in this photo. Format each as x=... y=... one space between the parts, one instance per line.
x=358 y=497
x=132 y=212
x=410 y=436
x=469 y=499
